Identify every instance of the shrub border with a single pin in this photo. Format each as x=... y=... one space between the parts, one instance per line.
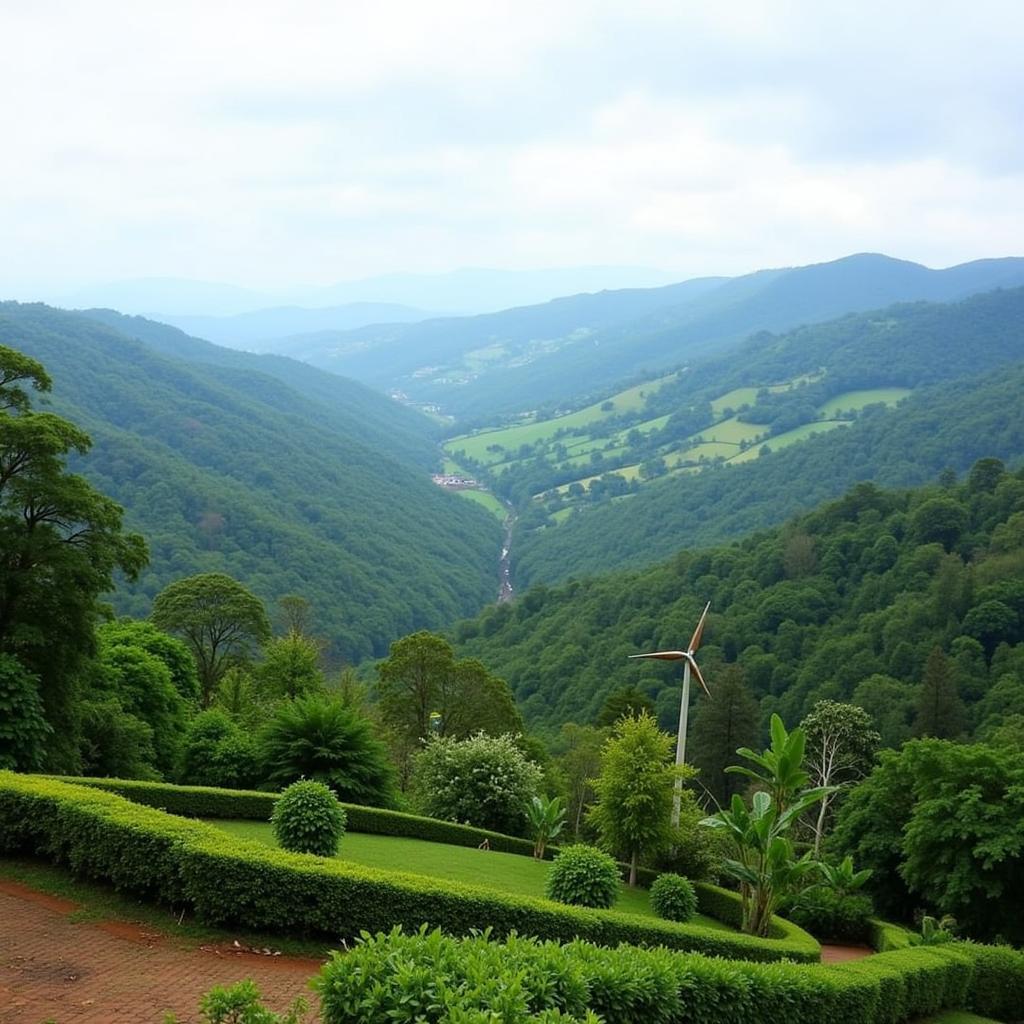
x=154 y=854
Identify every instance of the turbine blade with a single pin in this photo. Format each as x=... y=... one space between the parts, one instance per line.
x=695 y=639
x=663 y=655
x=696 y=672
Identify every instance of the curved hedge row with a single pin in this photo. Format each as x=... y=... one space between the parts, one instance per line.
x=208 y=802
x=225 y=880
x=522 y=980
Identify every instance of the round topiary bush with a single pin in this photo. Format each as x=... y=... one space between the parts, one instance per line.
x=307 y=818
x=673 y=897
x=584 y=876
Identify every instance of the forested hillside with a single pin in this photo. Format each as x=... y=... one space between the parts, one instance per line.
x=847 y=602
x=955 y=413
x=226 y=469
x=561 y=353
x=351 y=408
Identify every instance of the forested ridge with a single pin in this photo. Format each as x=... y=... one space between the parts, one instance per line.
x=847 y=602
x=230 y=470
x=957 y=413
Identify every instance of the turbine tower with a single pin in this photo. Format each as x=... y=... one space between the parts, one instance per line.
x=689 y=665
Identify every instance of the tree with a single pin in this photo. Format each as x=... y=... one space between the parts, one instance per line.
x=424 y=691
x=216 y=752
x=890 y=705
x=939 y=520
x=61 y=542
x=941 y=825
x=628 y=701
x=940 y=711
x=579 y=763
x=719 y=728
x=321 y=739
x=634 y=790
x=290 y=667
x=221 y=621
x=546 y=818
x=841 y=745
x=483 y=780
x=176 y=657
x=23 y=727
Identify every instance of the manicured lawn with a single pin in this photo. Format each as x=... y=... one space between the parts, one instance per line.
x=508 y=872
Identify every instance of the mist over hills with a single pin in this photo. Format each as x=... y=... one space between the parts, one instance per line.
x=559 y=353
x=286 y=478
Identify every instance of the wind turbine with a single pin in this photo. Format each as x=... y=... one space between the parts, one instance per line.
x=689 y=665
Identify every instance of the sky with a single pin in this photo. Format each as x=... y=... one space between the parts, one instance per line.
x=303 y=143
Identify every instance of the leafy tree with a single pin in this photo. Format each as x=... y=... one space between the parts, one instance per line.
x=890 y=704
x=168 y=649
x=216 y=752
x=424 y=691
x=939 y=520
x=112 y=742
x=290 y=667
x=60 y=543
x=219 y=619
x=940 y=711
x=941 y=824
x=720 y=726
x=992 y=622
x=321 y=739
x=578 y=764
x=625 y=702
x=483 y=780
x=634 y=791
x=23 y=726
x=841 y=745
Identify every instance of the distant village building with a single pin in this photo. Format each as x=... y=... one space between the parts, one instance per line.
x=456 y=483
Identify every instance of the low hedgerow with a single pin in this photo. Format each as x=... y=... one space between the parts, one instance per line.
x=673 y=897
x=250 y=805
x=307 y=818
x=583 y=876
x=229 y=881
x=426 y=976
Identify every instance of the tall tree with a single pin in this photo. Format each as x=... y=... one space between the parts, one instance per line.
x=633 y=813
x=579 y=763
x=940 y=711
x=60 y=543
x=628 y=701
x=719 y=728
x=221 y=621
x=290 y=666
x=841 y=746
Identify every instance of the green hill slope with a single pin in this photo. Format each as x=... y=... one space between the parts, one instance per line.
x=552 y=355
x=224 y=468
x=862 y=587
x=954 y=415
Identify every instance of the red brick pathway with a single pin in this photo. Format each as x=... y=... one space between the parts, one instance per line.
x=113 y=972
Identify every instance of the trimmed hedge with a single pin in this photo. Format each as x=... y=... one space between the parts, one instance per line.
x=226 y=880
x=209 y=802
x=431 y=978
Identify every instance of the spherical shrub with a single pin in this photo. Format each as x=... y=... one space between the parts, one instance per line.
x=307 y=818
x=673 y=897
x=584 y=876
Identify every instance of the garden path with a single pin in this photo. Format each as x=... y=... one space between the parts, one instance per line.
x=831 y=954
x=53 y=967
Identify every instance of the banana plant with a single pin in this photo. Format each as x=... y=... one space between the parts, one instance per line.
x=779 y=769
x=841 y=878
x=547 y=819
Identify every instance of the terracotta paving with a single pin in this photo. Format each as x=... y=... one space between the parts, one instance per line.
x=844 y=954
x=113 y=972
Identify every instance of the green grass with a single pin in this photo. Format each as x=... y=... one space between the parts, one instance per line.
x=800 y=433
x=743 y=396
x=956 y=1017
x=731 y=431
x=103 y=903
x=488 y=500
x=507 y=872
x=853 y=400
x=511 y=438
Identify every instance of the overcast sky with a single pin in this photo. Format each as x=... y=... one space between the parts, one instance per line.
x=286 y=143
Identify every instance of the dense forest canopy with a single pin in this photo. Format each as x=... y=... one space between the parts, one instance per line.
x=847 y=602
x=227 y=469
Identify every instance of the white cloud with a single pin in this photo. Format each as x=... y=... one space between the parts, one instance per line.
x=267 y=143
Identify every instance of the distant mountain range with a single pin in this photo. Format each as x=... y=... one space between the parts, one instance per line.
x=559 y=353
x=286 y=477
